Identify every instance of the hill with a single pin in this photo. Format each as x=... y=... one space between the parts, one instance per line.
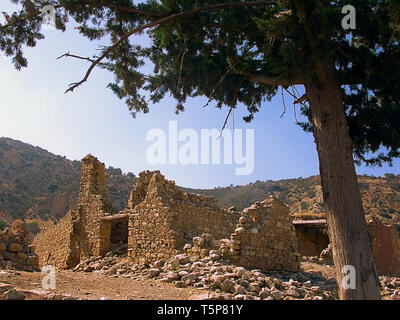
x=36 y=184
x=380 y=195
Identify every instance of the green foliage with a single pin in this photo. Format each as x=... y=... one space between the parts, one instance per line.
x=35 y=177
x=33 y=227
x=212 y=53
x=3 y=225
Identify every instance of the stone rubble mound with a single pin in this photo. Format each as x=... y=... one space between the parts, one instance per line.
x=15 y=249
x=206 y=269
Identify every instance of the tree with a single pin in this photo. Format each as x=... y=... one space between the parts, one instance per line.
x=246 y=52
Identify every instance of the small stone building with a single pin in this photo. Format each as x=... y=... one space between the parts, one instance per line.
x=313 y=238
x=386 y=246
x=160 y=220
x=312 y=235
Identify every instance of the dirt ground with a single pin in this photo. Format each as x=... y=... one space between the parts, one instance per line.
x=94 y=287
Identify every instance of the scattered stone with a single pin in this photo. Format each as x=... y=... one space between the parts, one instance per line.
x=227 y=285
x=14 y=294
x=180 y=284
x=154 y=272
x=277 y=295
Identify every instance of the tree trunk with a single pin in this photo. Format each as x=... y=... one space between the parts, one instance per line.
x=348 y=231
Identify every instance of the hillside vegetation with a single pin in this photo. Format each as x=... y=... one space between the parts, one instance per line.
x=35 y=183
x=380 y=195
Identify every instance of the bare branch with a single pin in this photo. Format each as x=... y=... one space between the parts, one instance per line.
x=225 y=122
x=226 y=74
x=284 y=104
x=271 y=81
x=127 y=9
x=181 y=66
x=301 y=99
x=75 y=56
x=111 y=48
x=294 y=106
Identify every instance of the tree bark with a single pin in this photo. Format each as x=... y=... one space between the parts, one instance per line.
x=348 y=231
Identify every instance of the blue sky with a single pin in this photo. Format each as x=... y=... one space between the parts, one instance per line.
x=34 y=109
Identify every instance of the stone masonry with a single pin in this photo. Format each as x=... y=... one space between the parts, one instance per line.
x=59 y=245
x=80 y=234
x=265 y=238
x=162 y=221
x=176 y=215
x=386 y=246
x=93 y=203
x=15 y=249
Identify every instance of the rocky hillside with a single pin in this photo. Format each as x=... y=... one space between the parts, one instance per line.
x=35 y=183
x=380 y=195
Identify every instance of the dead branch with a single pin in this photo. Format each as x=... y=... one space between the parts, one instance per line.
x=225 y=122
x=271 y=81
x=294 y=106
x=301 y=99
x=284 y=104
x=181 y=66
x=75 y=56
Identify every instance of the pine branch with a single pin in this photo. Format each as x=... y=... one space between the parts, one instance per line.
x=271 y=81
x=163 y=20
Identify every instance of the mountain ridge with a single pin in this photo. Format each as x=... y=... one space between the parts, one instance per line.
x=35 y=183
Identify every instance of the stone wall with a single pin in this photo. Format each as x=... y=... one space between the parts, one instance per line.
x=312 y=241
x=167 y=218
x=386 y=246
x=80 y=234
x=15 y=249
x=265 y=238
x=59 y=245
x=161 y=221
x=93 y=204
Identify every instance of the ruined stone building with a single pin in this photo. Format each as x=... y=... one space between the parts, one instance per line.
x=313 y=239
x=160 y=220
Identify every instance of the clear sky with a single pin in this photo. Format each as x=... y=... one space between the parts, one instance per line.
x=34 y=109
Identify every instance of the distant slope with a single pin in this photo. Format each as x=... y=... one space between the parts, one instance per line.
x=37 y=183
x=380 y=195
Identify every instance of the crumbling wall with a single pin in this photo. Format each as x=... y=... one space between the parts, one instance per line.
x=197 y=214
x=386 y=247
x=167 y=218
x=265 y=238
x=59 y=245
x=80 y=233
x=151 y=233
x=140 y=189
x=312 y=241
x=162 y=221
x=93 y=204
x=15 y=249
